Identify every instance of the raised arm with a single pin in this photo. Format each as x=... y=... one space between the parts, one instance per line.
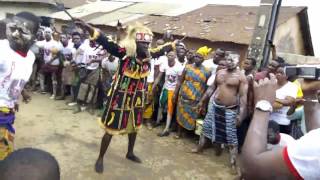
x=257 y=162
x=112 y=47
x=161 y=50
x=243 y=92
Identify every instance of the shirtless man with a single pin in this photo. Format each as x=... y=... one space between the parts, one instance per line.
x=223 y=117
x=249 y=70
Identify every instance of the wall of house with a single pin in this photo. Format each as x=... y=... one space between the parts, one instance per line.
x=39 y=9
x=288 y=37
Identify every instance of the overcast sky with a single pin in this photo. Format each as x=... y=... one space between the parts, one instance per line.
x=313 y=12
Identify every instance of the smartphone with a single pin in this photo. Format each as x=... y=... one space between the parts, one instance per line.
x=303 y=71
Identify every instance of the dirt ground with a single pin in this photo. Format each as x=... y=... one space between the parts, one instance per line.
x=74 y=140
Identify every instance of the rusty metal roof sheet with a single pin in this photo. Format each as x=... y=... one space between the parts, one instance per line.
x=31 y=1
x=214 y=22
x=111 y=19
x=107 y=12
x=67 y=3
x=91 y=8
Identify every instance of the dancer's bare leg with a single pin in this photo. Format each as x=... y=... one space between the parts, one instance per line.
x=103 y=148
x=130 y=155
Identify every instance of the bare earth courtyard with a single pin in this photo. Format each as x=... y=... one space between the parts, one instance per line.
x=74 y=140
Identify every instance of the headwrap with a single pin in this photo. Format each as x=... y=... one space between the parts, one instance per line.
x=204 y=51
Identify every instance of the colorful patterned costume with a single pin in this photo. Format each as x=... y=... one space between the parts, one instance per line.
x=125 y=102
x=149 y=103
x=191 y=91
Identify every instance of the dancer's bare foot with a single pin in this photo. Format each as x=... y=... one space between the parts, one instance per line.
x=99 y=166
x=133 y=158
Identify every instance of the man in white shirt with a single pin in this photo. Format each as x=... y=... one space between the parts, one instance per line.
x=67 y=52
x=299 y=159
x=212 y=64
x=88 y=82
x=285 y=97
x=51 y=64
x=16 y=62
x=78 y=62
x=181 y=52
x=172 y=71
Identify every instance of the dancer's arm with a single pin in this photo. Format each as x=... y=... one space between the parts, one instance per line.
x=112 y=47
x=163 y=49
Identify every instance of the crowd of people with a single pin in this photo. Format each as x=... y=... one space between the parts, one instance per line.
x=133 y=84
x=69 y=64
x=191 y=85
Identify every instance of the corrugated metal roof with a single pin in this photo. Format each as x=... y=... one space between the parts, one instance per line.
x=67 y=3
x=215 y=22
x=31 y=1
x=109 y=11
x=138 y=10
x=211 y=22
x=111 y=19
x=150 y=8
x=74 y=3
x=92 y=8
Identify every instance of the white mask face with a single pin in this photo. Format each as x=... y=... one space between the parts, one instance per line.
x=19 y=33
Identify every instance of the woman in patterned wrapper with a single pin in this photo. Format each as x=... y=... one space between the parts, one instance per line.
x=125 y=102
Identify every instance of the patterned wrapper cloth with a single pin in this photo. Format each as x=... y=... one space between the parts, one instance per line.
x=191 y=91
x=220 y=124
x=6 y=134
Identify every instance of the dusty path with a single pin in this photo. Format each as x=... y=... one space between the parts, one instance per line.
x=74 y=140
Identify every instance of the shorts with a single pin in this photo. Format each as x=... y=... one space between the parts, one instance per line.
x=166 y=100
